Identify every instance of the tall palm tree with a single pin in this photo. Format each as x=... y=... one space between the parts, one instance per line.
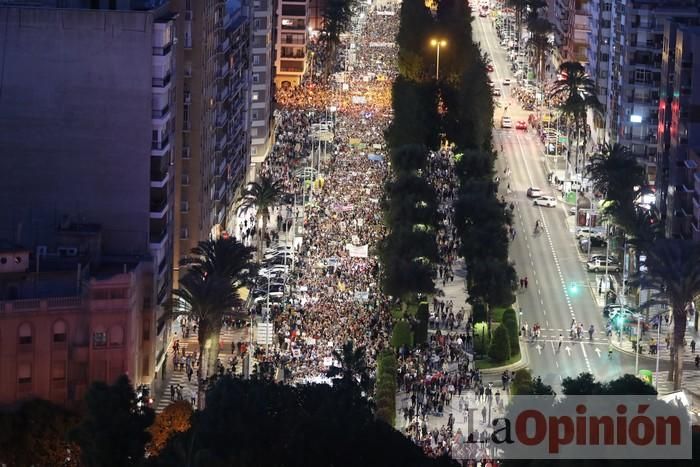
x=337 y=17
x=539 y=28
x=577 y=93
x=673 y=272
x=353 y=366
x=223 y=257
x=617 y=174
x=262 y=195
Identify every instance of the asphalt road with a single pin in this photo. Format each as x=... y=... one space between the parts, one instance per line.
x=559 y=287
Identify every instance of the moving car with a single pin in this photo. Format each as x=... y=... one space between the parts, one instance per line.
x=496 y=91
x=506 y=82
x=585 y=231
x=600 y=264
x=533 y=192
x=521 y=125
x=506 y=122
x=546 y=201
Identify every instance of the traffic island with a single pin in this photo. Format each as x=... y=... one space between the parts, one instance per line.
x=499 y=349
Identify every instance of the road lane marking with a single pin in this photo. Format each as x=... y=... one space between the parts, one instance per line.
x=585 y=357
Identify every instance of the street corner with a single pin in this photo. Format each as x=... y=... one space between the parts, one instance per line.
x=519 y=365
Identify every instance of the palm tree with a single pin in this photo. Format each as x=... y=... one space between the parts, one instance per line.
x=353 y=366
x=539 y=28
x=336 y=20
x=223 y=257
x=617 y=174
x=673 y=272
x=261 y=196
x=577 y=93
x=205 y=300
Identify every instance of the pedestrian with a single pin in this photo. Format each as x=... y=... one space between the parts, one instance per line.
x=172 y=392
x=692 y=346
x=697 y=361
x=483 y=414
x=522 y=282
x=561 y=339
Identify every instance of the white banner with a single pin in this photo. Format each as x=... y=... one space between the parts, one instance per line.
x=357 y=251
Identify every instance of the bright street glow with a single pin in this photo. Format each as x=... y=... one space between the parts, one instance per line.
x=636 y=118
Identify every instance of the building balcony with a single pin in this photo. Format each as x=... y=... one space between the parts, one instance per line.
x=164 y=50
x=159 y=208
x=161 y=180
x=157 y=240
x=219 y=192
x=161 y=81
x=160 y=148
x=224 y=71
x=221 y=120
x=220 y=143
x=298 y=54
x=224 y=94
x=160 y=116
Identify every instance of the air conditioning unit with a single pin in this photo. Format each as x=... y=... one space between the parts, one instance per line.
x=67 y=251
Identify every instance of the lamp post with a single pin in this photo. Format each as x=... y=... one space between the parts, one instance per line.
x=437 y=43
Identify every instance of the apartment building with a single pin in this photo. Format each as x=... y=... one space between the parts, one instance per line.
x=87 y=121
x=262 y=94
x=634 y=115
x=215 y=156
x=678 y=188
x=70 y=317
x=292 y=37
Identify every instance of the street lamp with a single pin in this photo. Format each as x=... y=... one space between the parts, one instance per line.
x=437 y=43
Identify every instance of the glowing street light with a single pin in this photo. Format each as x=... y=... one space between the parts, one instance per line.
x=437 y=43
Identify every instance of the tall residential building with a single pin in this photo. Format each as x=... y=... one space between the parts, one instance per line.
x=292 y=36
x=215 y=154
x=261 y=112
x=678 y=193
x=637 y=74
x=87 y=102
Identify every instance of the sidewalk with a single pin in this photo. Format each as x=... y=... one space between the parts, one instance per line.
x=653 y=337
x=179 y=377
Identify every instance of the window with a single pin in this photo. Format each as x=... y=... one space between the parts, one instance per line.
x=24 y=373
x=256 y=96
x=256 y=77
x=99 y=337
x=184 y=206
x=185 y=180
x=256 y=59
x=184 y=233
x=25 y=334
x=116 y=336
x=58 y=371
x=59 y=331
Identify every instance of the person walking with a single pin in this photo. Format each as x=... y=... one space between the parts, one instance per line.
x=692 y=346
x=561 y=339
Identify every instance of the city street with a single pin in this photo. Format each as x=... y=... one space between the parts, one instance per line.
x=560 y=290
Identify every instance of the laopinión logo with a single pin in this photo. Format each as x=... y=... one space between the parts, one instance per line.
x=573 y=427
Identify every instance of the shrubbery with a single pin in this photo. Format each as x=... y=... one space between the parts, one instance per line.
x=402 y=335
x=499 y=350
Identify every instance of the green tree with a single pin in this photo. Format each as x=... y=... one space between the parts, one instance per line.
x=386 y=386
x=413 y=39
x=673 y=273
x=525 y=385
x=409 y=159
x=114 y=429
x=585 y=384
x=36 y=433
x=415 y=119
x=402 y=335
x=410 y=200
x=510 y=322
x=259 y=423
x=492 y=281
x=499 y=350
x=577 y=93
x=175 y=418
x=262 y=195
x=421 y=328
x=223 y=257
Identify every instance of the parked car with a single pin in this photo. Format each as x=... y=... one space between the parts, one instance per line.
x=600 y=264
x=613 y=309
x=506 y=82
x=585 y=231
x=506 y=122
x=496 y=91
x=533 y=192
x=546 y=201
x=596 y=242
x=521 y=125
x=489 y=68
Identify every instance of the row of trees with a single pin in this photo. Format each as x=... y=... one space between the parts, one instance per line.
x=245 y=423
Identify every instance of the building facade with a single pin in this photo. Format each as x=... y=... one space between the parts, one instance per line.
x=261 y=84
x=87 y=120
x=215 y=155
x=292 y=37
x=678 y=194
x=72 y=317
